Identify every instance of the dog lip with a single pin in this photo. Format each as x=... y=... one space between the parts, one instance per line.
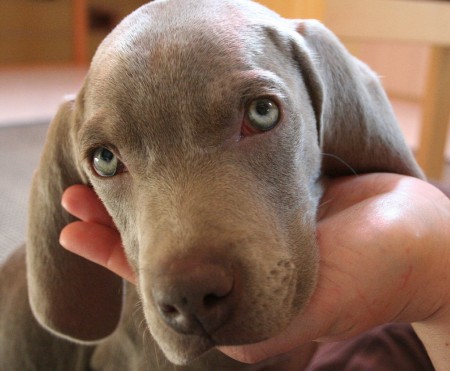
x=189 y=348
x=193 y=346
x=227 y=337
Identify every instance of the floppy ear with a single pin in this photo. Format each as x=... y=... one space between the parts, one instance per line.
x=69 y=295
x=357 y=127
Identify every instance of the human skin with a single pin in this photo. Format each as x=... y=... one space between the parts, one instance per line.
x=384 y=243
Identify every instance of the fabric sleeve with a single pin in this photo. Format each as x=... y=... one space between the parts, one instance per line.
x=392 y=347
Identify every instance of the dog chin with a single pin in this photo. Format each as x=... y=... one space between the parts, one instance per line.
x=183 y=349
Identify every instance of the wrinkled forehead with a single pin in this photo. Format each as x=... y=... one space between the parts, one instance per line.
x=186 y=69
x=181 y=44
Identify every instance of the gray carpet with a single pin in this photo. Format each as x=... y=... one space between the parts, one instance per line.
x=20 y=149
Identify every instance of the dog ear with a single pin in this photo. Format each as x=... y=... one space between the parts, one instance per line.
x=69 y=295
x=358 y=131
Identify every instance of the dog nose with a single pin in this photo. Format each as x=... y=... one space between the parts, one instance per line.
x=194 y=296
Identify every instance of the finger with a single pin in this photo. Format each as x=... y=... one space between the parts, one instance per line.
x=98 y=243
x=82 y=202
x=255 y=353
x=358 y=269
x=321 y=319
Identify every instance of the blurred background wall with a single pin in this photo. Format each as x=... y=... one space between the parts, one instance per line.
x=49 y=31
x=45 y=31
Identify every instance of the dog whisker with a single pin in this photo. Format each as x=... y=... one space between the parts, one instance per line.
x=341 y=161
x=146 y=336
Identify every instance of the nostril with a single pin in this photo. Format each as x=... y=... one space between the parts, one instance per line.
x=209 y=301
x=179 y=319
x=168 y=310
x=194 y=296
x=212 y=300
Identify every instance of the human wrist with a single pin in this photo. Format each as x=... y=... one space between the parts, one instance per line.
x=434 y=329
x=435 y=336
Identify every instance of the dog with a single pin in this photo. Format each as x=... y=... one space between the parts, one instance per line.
x=207 y=128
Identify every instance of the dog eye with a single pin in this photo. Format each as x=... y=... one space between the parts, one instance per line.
x=263 y=114
x=106 y=162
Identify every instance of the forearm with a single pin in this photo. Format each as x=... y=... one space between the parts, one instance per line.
x=436 y=339
x=434 y=331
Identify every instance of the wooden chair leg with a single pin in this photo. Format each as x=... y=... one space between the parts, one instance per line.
x=436 y=113
x=80 y=32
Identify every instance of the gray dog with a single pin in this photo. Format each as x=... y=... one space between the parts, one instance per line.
x=206 y=128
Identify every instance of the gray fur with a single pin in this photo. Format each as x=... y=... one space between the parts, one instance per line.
x=167 y=90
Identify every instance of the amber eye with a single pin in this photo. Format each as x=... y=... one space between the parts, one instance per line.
x=263 y=114
x=105 y=162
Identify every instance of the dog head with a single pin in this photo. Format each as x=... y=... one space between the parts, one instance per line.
x=202 y=126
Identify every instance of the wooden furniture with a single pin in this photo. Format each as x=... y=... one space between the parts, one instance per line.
x=412 y=21
x=80 y=32
x=35 y=32
x=296 y=8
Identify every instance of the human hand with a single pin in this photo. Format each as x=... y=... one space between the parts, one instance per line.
x=94 y=237
x=384 y=244
x=378 y=235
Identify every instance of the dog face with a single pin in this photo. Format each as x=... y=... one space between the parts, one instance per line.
x=201 y=184
x=201 y=126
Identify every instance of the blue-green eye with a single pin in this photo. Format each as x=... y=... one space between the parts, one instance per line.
x=105 y=162
x=263 y=114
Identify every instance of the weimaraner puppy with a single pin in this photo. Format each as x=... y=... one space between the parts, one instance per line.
x=206 y=127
